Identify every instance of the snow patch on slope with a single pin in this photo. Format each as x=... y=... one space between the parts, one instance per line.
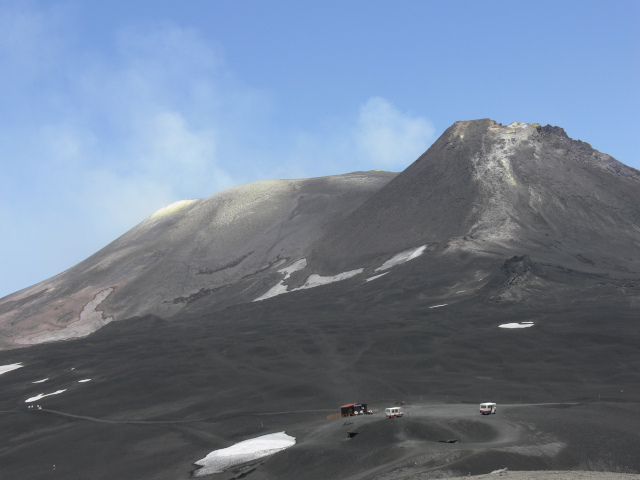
x=274 y=291
x=294 y=267
x=220 y=460
x=316 y=280
x=517 y=325
x=8 y=368
x=280 y=287
x=376 y=276
x=42 y=395
x=402 y=257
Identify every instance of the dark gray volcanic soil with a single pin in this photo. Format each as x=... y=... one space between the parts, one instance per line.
x=287 y=363
x=519 y=224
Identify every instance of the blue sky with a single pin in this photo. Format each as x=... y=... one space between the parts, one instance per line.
x=112 y=110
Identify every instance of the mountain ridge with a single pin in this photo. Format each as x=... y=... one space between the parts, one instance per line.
x=474 y=165
x=482 y=187
x=187 y=252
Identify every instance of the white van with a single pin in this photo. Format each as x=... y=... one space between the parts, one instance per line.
x=487 y=408
x=393 y=412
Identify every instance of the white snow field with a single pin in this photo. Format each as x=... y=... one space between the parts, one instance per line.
x=8 y=368
x=220 y=460
x=402 y=257
x=517 y=325
x=42 y=395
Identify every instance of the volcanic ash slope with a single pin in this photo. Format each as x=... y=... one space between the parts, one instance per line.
x=220 y=248
x=520 y=188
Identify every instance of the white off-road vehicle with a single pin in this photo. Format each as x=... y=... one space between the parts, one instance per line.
x=487 y=408
x=392 y=412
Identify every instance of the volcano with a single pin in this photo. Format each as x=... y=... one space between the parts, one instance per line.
x=503 y=265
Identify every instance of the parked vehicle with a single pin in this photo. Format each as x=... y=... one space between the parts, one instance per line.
x=352 y=409
x=487 y=408
x=393 y=412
